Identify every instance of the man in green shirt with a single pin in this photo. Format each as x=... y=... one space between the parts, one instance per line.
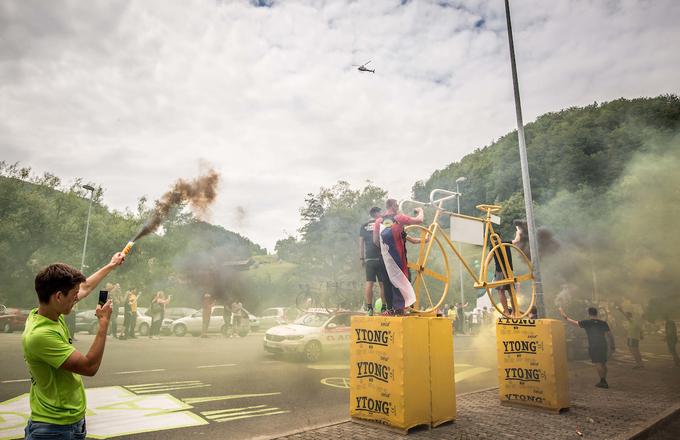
x=57 y=395
x=634 y=337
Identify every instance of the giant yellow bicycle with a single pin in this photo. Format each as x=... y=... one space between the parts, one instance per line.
x=503 y=266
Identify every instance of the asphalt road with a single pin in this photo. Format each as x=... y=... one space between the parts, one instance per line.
x=214 y=388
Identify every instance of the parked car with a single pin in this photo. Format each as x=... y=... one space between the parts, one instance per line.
x=194 y=324
x=143 y=321
x=86 y=321
x=172 y=314
x=12 y=319
x=311 y=335
x=274 y=316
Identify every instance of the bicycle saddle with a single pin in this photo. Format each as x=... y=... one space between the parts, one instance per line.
x=490 y=208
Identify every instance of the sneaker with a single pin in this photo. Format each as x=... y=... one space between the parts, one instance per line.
x=389 y=312
x=602 y=384
x=369 y=309
x=383 y=308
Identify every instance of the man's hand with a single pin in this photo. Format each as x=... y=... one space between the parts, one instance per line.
x=104 y=312
x=117 y=259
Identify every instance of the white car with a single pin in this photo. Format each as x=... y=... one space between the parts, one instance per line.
x=277 y=316
x=311 y=335
x=143 y=324
x=194 y=324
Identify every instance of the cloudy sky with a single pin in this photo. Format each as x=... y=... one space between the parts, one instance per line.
x=133 y=94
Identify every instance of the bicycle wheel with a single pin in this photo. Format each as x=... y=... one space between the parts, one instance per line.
x=429 y=273
x=514 y=283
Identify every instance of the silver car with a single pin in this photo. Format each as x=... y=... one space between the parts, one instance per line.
x=194 y=324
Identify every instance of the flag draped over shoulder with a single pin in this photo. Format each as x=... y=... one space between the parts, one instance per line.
x=391 y=248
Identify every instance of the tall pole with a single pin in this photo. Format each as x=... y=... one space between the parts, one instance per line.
x=460 y=264
x=526 y=183
x=87 y=227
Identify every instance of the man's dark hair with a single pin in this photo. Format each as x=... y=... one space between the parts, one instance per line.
x=374 y=211
x=391 y=203
x=592 y=311
x=54 y=278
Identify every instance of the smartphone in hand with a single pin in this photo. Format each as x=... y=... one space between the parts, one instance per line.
x=103 y=297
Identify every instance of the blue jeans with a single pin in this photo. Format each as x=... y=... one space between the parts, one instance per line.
x=40 y=430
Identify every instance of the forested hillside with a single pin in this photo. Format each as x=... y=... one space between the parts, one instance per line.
x=44 y=221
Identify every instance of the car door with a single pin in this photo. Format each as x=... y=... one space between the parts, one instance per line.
x=269 y=318
x=336 y=332
x=216 y=319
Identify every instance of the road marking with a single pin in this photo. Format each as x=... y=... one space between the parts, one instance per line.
x=222 y=412
x=141 y=371
x=195 y=400
x=16 y=380
x=336 y=382
x=471 y=373
x=178 y=387
x=217 y=418
x=216 y=366
x=166 y=386
x=229 y=419
x=142 y=385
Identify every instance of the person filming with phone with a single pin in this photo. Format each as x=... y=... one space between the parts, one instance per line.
x=57 y=395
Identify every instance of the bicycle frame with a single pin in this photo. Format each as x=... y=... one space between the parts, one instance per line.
x=490 y=237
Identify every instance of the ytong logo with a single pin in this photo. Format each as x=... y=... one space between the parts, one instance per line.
x=374 y=337
x=374 y=370
x=524 y=374
x=368 y=404
x=524 y=398
x=517 y=322
x=521 y=347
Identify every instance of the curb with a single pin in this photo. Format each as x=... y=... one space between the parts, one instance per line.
x=650 y=425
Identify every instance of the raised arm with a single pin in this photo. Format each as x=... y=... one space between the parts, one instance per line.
x=568 y=319
x=89 y=285
x=88 y=365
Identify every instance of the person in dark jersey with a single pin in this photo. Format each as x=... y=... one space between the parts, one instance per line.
x=372 y=261
x=600 y=342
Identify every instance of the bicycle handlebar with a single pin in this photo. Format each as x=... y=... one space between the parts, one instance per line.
x=447 y=195
x=415 y=202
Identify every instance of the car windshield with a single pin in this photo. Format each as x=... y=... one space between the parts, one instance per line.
x=312 y=319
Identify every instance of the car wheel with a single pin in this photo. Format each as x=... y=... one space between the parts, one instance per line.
x=144 y=329
x=243 y=332
x=312 y=351
x=7 y=328
x=93 y=328
x=180 y=330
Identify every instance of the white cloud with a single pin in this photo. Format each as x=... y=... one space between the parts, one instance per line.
x=132 y=94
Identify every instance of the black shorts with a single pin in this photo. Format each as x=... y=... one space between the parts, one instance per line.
x=633 y=343
x=375 y=270
x=598 y=355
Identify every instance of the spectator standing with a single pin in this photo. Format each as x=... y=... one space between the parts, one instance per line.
x=460 y=318
x=389 y=234
x=115 y=303
x=207 y=310
x=634 y=327
x=672 y=338
x=157 y=311
x=132 y=321
x=57 y=395
x=126 y=316
x=236 y=316
x=600 y=342
x=372 y=261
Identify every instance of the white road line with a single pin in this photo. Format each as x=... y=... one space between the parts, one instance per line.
x=194 y=400
x=216 y=366
x=16 y=380
x=229 y=419
x=140 y=385
x=141 y=371
x=231 y=410
x=146 y=391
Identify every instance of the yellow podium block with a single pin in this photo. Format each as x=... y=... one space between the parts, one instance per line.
x=401 y=371
x=532 y=363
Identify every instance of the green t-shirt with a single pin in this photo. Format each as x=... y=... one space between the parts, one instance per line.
x=635 y=328
x=57 y=396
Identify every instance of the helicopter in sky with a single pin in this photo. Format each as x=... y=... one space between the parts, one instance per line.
x=362 y=68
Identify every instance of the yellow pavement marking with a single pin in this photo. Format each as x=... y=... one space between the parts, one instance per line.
x=471 y=373
x=229 y=419
x=193 y=400
x=242 y=413
x=222 y=411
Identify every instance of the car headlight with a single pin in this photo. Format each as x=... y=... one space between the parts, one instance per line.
x=294 y=337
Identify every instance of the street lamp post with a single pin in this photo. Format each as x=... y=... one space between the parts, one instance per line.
x=460 y=264
x=87 y=226
x=526 y=183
